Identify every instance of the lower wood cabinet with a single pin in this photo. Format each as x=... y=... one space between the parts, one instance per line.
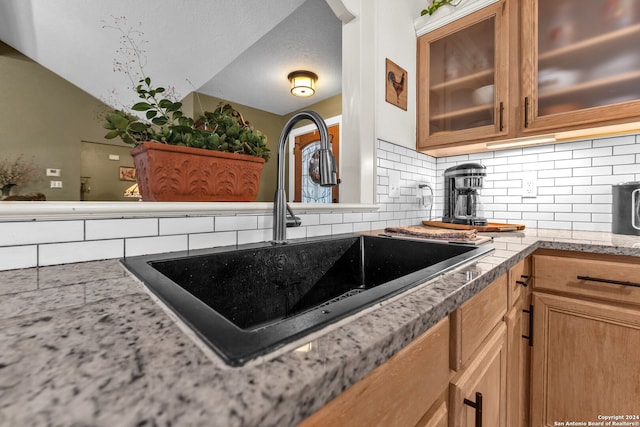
x=586 y=361
x=586 y=331
x=477 y=394
x=399 y=392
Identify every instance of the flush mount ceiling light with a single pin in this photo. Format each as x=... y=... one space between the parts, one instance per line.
x=303 y=83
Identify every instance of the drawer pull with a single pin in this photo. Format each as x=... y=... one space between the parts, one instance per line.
x=613 y=282
x=525 y=282
x=477 y=405
x=530 y=336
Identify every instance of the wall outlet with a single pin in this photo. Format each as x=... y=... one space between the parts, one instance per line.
x=394 y=183
x=529 y=186
x=114 y=157
x=56 y=184
x=53 y=172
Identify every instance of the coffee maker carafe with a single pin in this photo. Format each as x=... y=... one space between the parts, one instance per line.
x=461 y=198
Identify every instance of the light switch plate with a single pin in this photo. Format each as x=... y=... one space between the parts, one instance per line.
x=56 y=184
x=53 y=172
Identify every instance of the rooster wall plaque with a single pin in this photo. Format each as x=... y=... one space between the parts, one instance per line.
x=396 y=85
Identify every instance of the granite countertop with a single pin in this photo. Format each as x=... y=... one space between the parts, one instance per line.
x=87 y=345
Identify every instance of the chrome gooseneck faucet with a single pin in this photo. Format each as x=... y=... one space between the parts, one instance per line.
x=327 y=170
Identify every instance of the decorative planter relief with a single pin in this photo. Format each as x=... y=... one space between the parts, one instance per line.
x=170 y=173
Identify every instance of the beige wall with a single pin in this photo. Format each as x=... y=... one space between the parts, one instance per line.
x=103 y=172
x=44 y=116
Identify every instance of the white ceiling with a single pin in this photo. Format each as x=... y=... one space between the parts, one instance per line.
x=241 y=51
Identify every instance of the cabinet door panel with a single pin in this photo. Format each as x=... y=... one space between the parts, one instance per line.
x=585 y=360
x=398 y=392
x=586 y=65
x=462 y=82
x=486 y=374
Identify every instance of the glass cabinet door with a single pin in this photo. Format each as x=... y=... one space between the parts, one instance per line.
x=462 y=77
x=588 y=57
x=462 y=80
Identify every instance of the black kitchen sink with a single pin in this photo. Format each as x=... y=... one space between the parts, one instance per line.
x=245 y=301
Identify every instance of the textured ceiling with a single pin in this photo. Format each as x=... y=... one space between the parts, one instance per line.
x=208 y=45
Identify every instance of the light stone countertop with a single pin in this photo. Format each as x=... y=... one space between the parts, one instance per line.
x=87 y=345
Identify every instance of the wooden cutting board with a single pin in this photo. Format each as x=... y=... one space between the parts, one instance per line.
x=492 y=226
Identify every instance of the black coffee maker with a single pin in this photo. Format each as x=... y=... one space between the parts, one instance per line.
x=461 y=198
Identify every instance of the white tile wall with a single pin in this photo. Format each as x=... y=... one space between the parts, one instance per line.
x=415 y=168
x=574 y=182
x=574 y=193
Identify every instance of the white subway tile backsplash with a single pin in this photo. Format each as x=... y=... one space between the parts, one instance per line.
x=318 y=230
x=536 y=166
x=555 y=155
x=574 y=181
x=615 y=141
x=33 y=232
x=237 y=222
x=18 y=257
x=342 y=228
x=626 y=149
x=155 y=245
x=266 y=221
x=574 y=163
x=592 y=226
x=592 y=207
x=593 y=171
x=559 y=225
x=555 y=190
x=332 y=218
x=611 y=179
x=63 y=253
x=185 y=225
x=255 y=236
x=555 y=173
x=593 y=153
x=592 y=189
x=555 y=207
x=212 y=240
x=309 y=219
x=361 y=226
x=538 y=216
x=576 y=145
x=100 y=229
x=626 y=169
x=573 y=216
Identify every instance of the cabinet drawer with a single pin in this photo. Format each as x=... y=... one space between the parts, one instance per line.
x=581 y=276
x=398 y=392
x=475 y=319
x=519 y=276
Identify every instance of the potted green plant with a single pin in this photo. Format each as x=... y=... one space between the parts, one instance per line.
x=437 y=4
x=217 y=157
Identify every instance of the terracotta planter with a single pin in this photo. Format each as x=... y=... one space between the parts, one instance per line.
x=170 y=173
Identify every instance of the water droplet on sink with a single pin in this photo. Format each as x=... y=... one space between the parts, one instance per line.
x=325 y=312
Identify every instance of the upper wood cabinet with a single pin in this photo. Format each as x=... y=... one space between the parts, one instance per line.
x=580 y=63
x=463 y=79
x=553 y=65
